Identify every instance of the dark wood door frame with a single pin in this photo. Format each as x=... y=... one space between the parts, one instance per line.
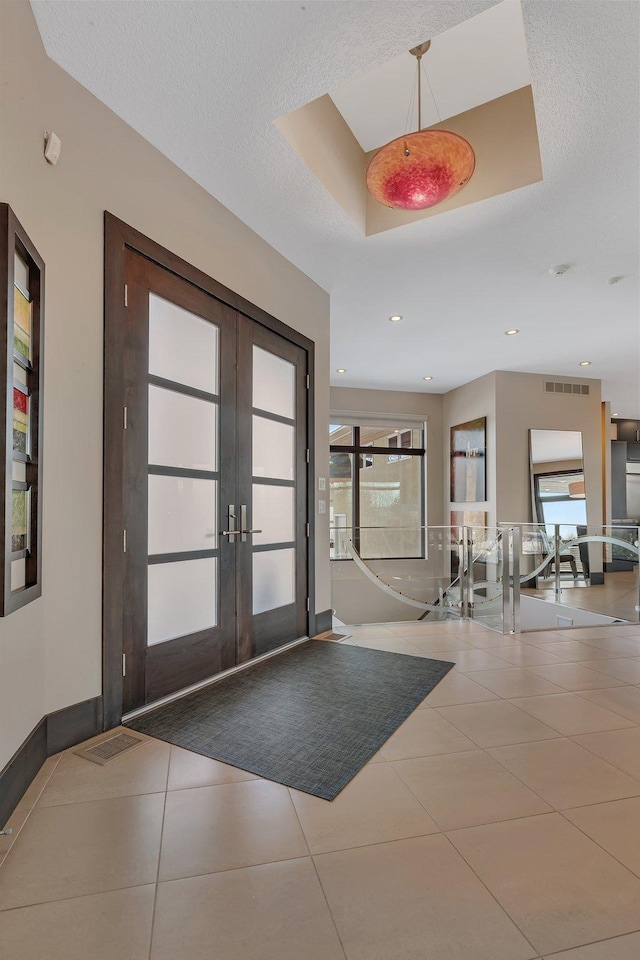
x=119 y=237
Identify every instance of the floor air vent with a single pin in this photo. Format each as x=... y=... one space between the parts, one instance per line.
x=107 y=750
x=575 y=389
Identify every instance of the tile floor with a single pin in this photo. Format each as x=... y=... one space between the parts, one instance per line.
x=500 y=822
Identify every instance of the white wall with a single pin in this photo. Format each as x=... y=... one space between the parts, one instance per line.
x=50 y=651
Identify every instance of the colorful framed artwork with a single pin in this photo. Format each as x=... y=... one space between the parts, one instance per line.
x=468 y=466
x=21 y=329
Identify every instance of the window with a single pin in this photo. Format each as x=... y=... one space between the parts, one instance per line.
x=21 y=370
x=377 y=491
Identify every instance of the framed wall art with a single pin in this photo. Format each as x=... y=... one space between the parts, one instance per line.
x=21 y=329
x=468 y=465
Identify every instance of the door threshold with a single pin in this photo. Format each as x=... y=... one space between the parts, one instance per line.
x=179 y=694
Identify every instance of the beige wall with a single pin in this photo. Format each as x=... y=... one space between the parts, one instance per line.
x=522 y=405
x=475 y=399
x=50 y=651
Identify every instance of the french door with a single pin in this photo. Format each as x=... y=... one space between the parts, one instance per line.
x=214 y=485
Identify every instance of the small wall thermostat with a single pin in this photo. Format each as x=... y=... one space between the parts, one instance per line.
x=52 y=147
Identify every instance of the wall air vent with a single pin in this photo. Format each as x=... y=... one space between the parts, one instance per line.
x=575 y=389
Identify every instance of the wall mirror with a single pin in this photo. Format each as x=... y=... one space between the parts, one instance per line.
x=557 y=479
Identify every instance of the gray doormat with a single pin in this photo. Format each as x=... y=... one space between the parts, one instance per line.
x=309 y=718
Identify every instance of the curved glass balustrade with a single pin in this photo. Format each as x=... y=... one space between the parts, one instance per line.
x=556 y=576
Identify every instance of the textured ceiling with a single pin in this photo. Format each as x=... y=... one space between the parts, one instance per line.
x=204 y=81
x=475 y=61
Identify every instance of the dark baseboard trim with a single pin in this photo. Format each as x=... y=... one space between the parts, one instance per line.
x=324 y=621
x=596 y=579
x=55 y=732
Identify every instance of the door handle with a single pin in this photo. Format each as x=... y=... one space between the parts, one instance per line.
x=243 y=524
x=232 y=532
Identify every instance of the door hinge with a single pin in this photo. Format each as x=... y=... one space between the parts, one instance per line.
x=124 y=664
x=308 y=381
x=308 y=604
x=126 y=295
x=307 y=528
x=308 y=455
x=124 y=541
x=124 y=418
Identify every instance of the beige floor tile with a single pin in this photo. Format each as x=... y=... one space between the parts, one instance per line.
x=457 y=688
x=622 y=948
x=618 y=747
x=81 y=848
x=423 y=734
x=491 y=640
x=524 y=655
x=375 y=807
x=625 y=669
x=465 y=789
x=558 y=886
x=369 y=630
x=75 y=779
x=231 y=825
x=470 y=659
x=187 y=770
x=496 y=723
x=415 y=900
x=39 y=782
x=570 y=714
x=618 y=646
x=276 y=911
x=536 y=637
x=565 y=774
x=102 y=926
x=587 y=634
x=514 y=682
x=577 y=676
x=615 y=826
x=622 y=700
x=390 y=644
x=436 y=628
x=440 y=645
x=15 y=823
x=574 y=651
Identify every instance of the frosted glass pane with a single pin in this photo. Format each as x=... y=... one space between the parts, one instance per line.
x=21 y=274
x=182 y=598
x=182 y=430
x=273 y=384
x=273 y=579
x=273 y=449
x=273 y=513
x=182 y=347
x=18 y=574
x=182 y=514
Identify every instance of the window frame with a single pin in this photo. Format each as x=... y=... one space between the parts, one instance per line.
x=15 y=240
x=358 y=452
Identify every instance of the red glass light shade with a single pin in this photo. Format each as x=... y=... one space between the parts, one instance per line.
x=421 y=169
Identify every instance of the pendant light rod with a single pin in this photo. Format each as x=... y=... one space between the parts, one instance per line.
x=418 y=53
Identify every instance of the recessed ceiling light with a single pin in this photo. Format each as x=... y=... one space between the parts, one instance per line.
x=396 y=318
x=615 y=414
x=427 y=378
x=559 y=270
x=511 y=333
x=341 y=370
x=585 y=363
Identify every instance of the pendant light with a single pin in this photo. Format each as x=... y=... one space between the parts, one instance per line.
x=421 y=169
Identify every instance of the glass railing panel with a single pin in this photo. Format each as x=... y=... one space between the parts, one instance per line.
x=588 y=575
x=396 y=573
x=486 y=572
